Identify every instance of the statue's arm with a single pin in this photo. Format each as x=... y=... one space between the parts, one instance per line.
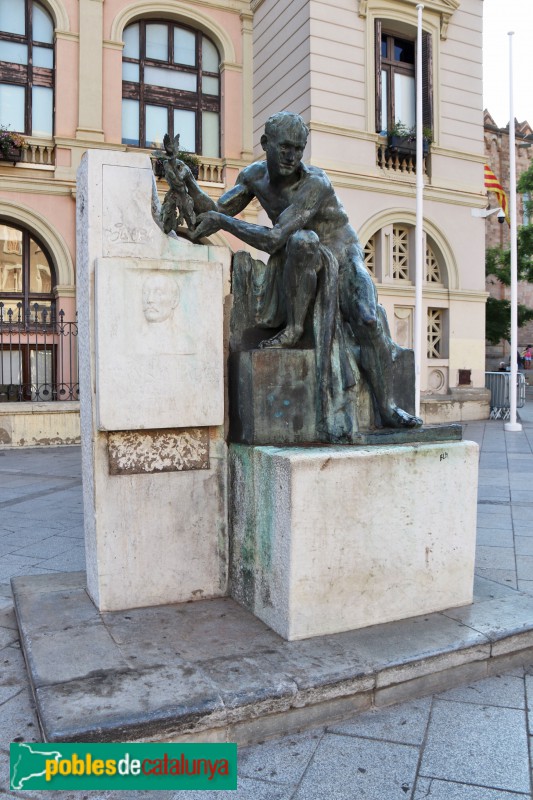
x=231 y=202
x=306 y=203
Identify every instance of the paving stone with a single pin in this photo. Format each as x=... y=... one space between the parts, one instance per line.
x=485 y=589
x=64 y=655
x=502 y=558
x=282 y=761
x=503 y=690
x=521 y=494
x=488 y=520
x=504 y=576
x=13 y=565
x=482 y=745
x=529 y=696
x=432 y=789
x=523 y=545
x=46 y=548
x=494 y=537
x=524 y=568
x=192 y=631
x=7 y=636
x=501 y=617
x=525 y=586
x=247 y=790
x=405 y=723
x=347 y=767
x=523 y=513
x=19 y=721
x=493 y=493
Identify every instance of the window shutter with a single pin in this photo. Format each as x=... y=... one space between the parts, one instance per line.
x=427 y=80
x=377 y=46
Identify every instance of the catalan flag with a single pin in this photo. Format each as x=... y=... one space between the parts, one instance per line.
x=492 y=184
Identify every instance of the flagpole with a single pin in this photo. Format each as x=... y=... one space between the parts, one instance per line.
x=513 y=425
x=419 y=227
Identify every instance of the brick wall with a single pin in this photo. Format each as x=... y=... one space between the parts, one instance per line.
x=496 y=234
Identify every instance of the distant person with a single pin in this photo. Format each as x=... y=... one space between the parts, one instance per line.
x=527 y=356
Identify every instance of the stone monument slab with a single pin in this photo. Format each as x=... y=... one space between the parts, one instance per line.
x=150 y=309
x=330 y=539
x=158 y=343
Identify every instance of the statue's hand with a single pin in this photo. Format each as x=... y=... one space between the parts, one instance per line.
x=207 y=224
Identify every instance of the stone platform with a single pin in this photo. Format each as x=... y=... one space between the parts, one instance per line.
x=211 y=671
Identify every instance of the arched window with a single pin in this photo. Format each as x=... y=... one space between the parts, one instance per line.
x=170 y=83
x=26 y=67
x=27 y=277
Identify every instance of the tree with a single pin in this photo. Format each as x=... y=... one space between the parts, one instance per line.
x=498 y=265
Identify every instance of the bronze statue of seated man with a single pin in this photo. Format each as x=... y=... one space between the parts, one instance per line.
x=310 y=229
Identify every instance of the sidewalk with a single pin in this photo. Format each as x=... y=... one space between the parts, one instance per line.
x=469 y=743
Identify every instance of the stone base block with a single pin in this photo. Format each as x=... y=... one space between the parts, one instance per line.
x=330 y=539
x=273 y=396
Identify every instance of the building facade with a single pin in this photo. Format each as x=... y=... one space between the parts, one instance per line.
x=349 y=69
x=113 y=74
x=116 y=74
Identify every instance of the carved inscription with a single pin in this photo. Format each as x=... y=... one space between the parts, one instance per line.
x=125 y=233
x=165 y=450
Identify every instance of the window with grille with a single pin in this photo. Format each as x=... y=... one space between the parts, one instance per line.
x=170 y=84
x=400 y=253
x=370 y=255
x=26 y=68
x=435 y=337
x=433 y=274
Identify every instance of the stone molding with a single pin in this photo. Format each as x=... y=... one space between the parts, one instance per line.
x=174 y=9
x=22 y=215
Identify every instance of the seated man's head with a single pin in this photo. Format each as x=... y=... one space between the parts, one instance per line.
x=160 y=295
x=284 y=142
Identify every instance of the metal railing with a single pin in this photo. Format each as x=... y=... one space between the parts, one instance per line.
x=38 y=355
x=498 y=383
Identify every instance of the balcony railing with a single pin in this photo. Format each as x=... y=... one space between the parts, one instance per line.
x=38 y=355
x=395 y=161
x=40 y=152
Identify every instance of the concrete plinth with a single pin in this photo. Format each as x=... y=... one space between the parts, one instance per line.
x=330 y=539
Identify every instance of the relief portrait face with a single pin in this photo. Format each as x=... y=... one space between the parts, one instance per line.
x=160 y=296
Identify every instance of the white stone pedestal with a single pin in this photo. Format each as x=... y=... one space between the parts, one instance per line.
x=152 y=395
x=329 y=539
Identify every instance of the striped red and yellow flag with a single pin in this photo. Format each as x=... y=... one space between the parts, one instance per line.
x=492 y=184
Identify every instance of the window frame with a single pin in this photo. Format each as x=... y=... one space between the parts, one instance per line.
x=171 y=99
x=26 y=297
x=386 y=28
x=27 y=75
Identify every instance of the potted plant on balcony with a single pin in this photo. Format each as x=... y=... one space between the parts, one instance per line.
x=402 y=139
x=11 y=145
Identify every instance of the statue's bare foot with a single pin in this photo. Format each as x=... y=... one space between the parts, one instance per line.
x=286 y=338
x=396 y=417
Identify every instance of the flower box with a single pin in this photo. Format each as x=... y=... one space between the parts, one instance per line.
x=406 y=145
x=11 y=153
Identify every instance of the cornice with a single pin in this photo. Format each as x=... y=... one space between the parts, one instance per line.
x=402 y=187
x=445 y=8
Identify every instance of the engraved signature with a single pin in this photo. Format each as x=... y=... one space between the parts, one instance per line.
x=124 y=233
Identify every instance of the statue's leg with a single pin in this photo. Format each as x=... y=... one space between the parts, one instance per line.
x=358 y=300
x=302 y=263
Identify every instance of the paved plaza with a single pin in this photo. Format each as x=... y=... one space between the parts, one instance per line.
x=467 y=743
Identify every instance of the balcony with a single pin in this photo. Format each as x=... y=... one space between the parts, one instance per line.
x=398 y=160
